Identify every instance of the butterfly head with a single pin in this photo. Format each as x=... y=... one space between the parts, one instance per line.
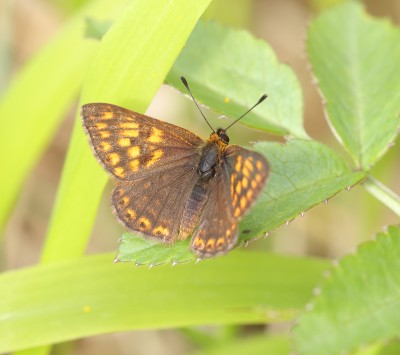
x=222 y=135
x=220 y=138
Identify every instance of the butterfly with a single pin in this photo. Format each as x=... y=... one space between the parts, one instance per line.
x=170 y=183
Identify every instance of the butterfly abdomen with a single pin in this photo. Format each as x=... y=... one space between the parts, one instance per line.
x=193 y=209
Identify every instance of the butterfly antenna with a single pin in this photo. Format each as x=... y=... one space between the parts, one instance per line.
x=184 y=81
x=262 y=98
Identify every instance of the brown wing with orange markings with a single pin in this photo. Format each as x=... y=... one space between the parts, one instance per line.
x=154 y=205
x=131 y=146
x=245 y=173
x=217 y=232
x=238 y=182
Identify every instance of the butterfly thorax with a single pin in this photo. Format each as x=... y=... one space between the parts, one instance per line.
x=212 y=154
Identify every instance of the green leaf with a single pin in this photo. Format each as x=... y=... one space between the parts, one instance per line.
x=37 y=99
x=148 y=251
x=359 y=302
x=221 y=63
x=139 y=43
x=303 y=174
x=355 y=59
x=91 y=295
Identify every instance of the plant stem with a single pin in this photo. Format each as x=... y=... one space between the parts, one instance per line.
x=383 y=194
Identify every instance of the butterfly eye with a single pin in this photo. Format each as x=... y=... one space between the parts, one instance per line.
x=222 y=135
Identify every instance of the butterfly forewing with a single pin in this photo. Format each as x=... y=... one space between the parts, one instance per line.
x=130 y=145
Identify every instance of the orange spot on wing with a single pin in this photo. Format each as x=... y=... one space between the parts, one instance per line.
x=157 y=154
x=129 y=133
x=237 y=212
x=249 y=165
x=235 y=197
x=220 y=242
x=105 y=134
x=238 y=188
x=156 y=135
x=243 y=202
x=246 y=172
x=124 y=142
x=238 y=165
x=107 y=115
x=113 y=159
x=245 y=183
x=130 y=214
x=161 y=231
x=124 y=201
x=210 y=244
x=134 y=152
x=119 y=172
x=143 y=224
x=134 y=165
x=198 y=243
x=101 y=125
x=105 y=146
x=129 y=125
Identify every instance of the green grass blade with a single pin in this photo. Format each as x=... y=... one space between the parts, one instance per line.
x=303 y=174
x=91 y=295
x=221 y=62
x=359 y=302
x=255 y=345
x=37 y=99
x=132 y=61
x=355 y=59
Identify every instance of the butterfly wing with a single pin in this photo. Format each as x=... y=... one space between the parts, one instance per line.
x=154 y=163
x=245 y=173
x=217 y=231
x=131 y=146
x=153 y=205
x=238 y=182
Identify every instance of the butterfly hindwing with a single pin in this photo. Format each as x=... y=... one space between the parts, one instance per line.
x=217 y=232
x=237 y=183
x=130 y=145
x=153 y=205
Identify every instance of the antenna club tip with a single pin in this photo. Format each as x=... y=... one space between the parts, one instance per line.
x=184 y=81
x=262 y=98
